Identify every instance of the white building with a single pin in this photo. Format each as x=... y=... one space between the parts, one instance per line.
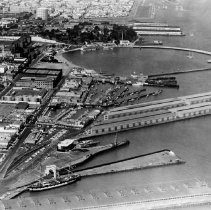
x=3 y=69
x=4 y=140
x=42 y=13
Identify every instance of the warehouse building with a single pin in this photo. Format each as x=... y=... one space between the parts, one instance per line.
x=152 y=113
x=22 y=95
x=164 y=104
x=4 y=140
x=22 y=47
x=40 y=78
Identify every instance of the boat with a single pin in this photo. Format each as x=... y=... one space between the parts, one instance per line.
x=86 y=144
x=190 y=55
x=138 y=84
x=134 y=75
x=157 y=42
x=66 y=145
x=54 y=182
x=157 y=93
x=108 y=48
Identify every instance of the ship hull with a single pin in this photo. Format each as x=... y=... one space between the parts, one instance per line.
x=52 y=186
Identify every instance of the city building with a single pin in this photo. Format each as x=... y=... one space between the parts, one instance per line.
x=125 y=43
x=42 y=13
x=3 y=69
x=4 y=140
x=24 y=96
x=152 y=113
x=68 y=97
x=40 y=78
x=22 y=47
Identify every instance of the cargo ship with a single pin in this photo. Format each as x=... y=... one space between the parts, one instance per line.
x=54 y=182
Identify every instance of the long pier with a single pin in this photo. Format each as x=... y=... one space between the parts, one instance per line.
x=151 y=113
x=179 y=72
x=152 y=160
x=173 y=48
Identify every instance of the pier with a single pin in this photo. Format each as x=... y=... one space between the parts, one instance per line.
x=173 y=48
x=179 y=72
x=151 y=113
x=156 y=159
x=92 y=153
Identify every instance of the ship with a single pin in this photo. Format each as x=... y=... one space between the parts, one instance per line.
x=138 y=84
x=86 y=144
x=108 y=48
x=66 y=145
x=59 y=181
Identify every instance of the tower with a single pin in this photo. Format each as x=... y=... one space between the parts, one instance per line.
x=42 y=13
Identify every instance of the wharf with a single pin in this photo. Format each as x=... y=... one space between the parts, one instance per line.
x=179 y=72
x=151 y=113
x=173 y=48
x=94 y=151
x=156 y=159
x=18 y=188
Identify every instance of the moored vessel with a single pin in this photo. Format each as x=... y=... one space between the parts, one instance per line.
x=59 y=181
x=86 y=143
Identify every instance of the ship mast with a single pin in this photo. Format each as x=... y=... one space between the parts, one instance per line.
x=115 y=140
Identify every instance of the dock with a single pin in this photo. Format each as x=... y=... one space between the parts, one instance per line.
x=151 y=113
x=95 y=151
x=152 y=160
x=173 y=48
x=179 y=72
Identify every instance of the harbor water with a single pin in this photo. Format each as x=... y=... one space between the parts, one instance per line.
x=189 y=139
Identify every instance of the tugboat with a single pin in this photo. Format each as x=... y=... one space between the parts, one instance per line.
x=47 y=183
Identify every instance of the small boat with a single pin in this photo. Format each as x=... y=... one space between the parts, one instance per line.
x=66 y=145
x=138 y=84
x=48 y=184
x=157 y=93
x=190 y=55
x=86 y=144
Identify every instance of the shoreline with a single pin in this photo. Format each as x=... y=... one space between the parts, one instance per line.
x=63 y=64
x=67 y=65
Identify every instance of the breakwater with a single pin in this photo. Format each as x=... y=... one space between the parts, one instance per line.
x=173 y=48
x=179 y=72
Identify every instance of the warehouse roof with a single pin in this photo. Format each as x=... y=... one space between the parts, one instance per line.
x=22 y=105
